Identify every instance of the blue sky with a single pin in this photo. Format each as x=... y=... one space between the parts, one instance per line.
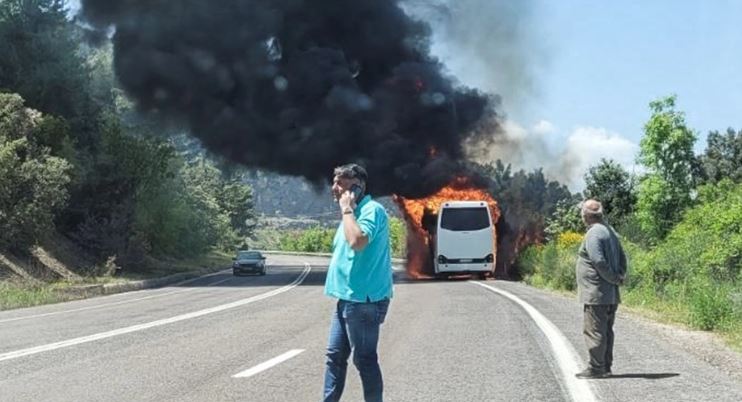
x=609 y=59
x=576 y=76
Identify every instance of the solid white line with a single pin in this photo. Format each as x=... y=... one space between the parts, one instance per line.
x=268 y=364
x=564 y=353
x=115 y=303
x=157 y=323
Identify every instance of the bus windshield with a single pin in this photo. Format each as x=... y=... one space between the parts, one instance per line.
x=465 y=219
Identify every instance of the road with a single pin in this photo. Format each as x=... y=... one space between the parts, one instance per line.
x=262 y=338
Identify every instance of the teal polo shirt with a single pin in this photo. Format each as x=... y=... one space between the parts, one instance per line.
x=365 y=275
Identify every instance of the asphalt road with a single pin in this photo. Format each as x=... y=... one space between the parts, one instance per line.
x=262 y=338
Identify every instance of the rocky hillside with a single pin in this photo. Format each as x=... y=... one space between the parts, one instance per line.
x=275 y=195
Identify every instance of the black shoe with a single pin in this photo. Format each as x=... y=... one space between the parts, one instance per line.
x=590 y=373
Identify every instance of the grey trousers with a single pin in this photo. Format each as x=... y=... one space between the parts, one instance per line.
x=598 y=331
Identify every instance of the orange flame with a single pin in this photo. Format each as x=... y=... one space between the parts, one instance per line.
x=414 y=210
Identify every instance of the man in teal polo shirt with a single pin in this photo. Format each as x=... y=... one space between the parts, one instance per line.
x=360 y=277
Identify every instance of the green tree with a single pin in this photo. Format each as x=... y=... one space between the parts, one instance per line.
x=526 y=200
x=666 y=150
x=33 y=181
x=723 y=156
x=229 y=202
x=123 y=174
x=235 y=200
x=612 y=185
x=41 y=61
x=566 y=218
x=203 y=181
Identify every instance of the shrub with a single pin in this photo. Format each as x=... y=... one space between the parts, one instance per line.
x=313 y=240
x=569 y=240
x=397 y=237
x=707 y=243
x=34 y=183
x=710 y=305
x=549 y=265
x=318 y=239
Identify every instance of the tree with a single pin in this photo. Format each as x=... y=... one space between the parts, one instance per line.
x=235 y=200
x=33 y=181
x=723 y=156
x=566 y=218
x=612 y=185
x=526 y=200
x=125 y=174
x=41 y=61
x=666 y=150
x=229 y=202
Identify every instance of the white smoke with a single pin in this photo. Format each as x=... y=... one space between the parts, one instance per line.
x=567 y=161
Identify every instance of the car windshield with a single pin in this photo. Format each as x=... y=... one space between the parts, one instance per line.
x=248 y=254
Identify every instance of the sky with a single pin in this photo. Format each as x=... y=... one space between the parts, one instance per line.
x=591 y=70
x=576 y=76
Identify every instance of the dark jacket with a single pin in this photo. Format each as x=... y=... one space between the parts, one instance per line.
x=601 y=262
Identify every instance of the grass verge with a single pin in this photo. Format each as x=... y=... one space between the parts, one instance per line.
x=16 y=293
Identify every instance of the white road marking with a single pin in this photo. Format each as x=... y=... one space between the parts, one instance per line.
x=564 y=353
x=134 y=328
x=268 y=364
x=116 y=303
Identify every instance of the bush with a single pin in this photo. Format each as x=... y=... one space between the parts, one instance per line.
x=568 y=240
x=549 y=265
x=563 y=272
x=319 y=240
x=529 y=262
x=707 y=243
x=710 y=305
x=34 y=183
x=693 y=275
x=313 y=240
x=398 y=237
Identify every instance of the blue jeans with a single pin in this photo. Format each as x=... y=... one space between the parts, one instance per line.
x=355 y=328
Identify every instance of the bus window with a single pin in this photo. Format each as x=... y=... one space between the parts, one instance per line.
x=465 y=219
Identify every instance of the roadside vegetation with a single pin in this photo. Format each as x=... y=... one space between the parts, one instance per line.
x=15 y=292
x=127 y=196
x=319 y=239
x=681 y=223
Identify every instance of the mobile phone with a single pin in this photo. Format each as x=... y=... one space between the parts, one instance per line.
x=357 y=192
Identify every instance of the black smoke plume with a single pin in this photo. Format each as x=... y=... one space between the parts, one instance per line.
x=298 y=86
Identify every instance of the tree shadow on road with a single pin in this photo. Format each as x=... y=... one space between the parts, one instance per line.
x=646 y=376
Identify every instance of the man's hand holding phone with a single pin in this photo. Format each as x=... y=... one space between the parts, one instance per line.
x=347 y=202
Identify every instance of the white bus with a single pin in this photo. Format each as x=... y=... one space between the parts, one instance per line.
x=465 y=239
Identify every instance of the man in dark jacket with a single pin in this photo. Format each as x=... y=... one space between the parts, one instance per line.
x=601 y=268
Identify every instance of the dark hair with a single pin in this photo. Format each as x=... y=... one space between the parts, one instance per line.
x=351 y=171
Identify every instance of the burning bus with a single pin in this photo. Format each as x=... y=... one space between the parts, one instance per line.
x=463 y=240
x=451 y=231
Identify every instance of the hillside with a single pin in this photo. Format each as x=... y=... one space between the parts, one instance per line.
x=278 y=196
